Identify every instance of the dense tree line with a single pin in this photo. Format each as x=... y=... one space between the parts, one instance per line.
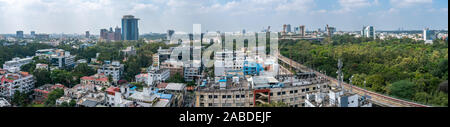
x=22 y=51
x=403 y=68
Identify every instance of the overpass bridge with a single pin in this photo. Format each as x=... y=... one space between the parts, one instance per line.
x=377 y=99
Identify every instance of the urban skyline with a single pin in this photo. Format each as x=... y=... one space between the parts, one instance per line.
x=159 y=16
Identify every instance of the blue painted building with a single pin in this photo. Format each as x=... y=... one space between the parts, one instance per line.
x=252 y=68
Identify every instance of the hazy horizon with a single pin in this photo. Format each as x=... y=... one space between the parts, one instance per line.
x=157 y=16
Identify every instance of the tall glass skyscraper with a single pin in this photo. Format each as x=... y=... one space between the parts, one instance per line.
x=130 y=30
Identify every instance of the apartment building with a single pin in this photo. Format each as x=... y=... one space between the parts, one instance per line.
x=115 y=69
x=16 y=80
x=17 y=62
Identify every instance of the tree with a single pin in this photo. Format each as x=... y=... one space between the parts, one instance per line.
x=64 y=77
x=20 y=99
x=53 y=96
x=131 y=69
x=177 y=78
x=42 y=77
x=84 y=69
x=28 y=67
x=72 y=103
x=403 y=89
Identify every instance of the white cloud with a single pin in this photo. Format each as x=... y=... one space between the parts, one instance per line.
x=351 y=5
x=409 y=3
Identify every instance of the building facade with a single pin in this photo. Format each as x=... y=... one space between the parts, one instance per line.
x=16 y=81
x=130 y=30
x=115 y=69
x=17 y=63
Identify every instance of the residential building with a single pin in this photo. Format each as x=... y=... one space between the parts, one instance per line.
x=192 y=70
x=153 y=76
x=97 y=79
x=227 y=62
x=129 y=51
x=17 y=62
x=115 y=69
x=41 y=93
x=111 y=35
x=174 y=66
x=42 y=66
x=15 y=80
x=4 y=103
x=336 y=97
x=257 y=90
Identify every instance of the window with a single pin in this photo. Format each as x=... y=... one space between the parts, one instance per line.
x=314 y=88
x=278 y=93
x=295 y=91
x=224 y=96
x=242 y=96
x=215 y=96
x=291 y=92
x=237 y=96
x=210 y=96
x=307 y=89
x=201 y=96
x=209 y=104
x=229 y=96
x=303 y=90
x=202 y=104
x=271 y=94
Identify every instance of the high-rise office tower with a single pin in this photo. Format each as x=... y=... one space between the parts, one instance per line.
x=32 y=33
x=117 y=33
x=87 y=34
x=130 y=30
x=288 y=28
x=19 y=34
x=302 y=30
x=428 y=34
x=368 y=31
x=103 y=34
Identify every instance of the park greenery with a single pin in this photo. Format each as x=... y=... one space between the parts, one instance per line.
x=403 y=68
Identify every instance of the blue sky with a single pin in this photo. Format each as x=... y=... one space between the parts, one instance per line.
x=77 y=16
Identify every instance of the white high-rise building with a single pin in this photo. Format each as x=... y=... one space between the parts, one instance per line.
x=369 y=32
x=428 y=36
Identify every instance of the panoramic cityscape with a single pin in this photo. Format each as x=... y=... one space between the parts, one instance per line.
x=302 y=53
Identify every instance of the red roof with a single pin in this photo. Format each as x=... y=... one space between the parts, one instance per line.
x=24 y=73
x=103 y=79
x=112 y=90
x=87 y=78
